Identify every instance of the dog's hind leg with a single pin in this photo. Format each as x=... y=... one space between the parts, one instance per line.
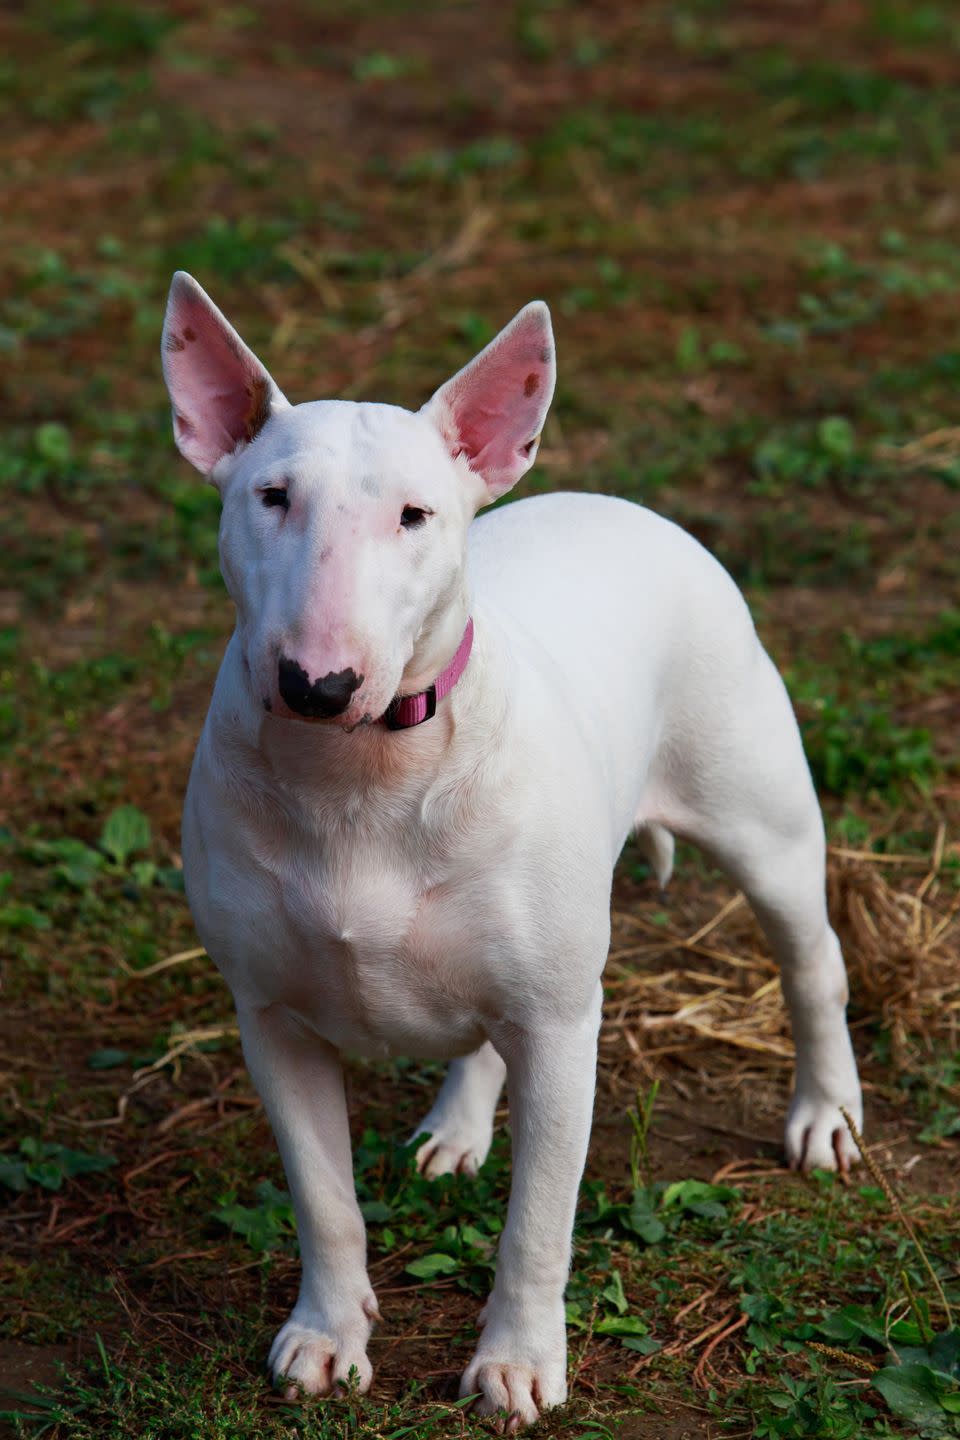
x=460 y=1125
x=747 y=798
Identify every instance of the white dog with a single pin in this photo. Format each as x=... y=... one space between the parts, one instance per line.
x=368 y=882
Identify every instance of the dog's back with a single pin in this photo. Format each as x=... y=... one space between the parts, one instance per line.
x=632 y=626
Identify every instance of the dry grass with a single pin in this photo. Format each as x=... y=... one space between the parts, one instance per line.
x=675 y=995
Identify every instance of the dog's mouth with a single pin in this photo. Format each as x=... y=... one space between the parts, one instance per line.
x=347 y=722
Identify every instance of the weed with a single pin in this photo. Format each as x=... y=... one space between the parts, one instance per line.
x=641 y=1172
x=859 y=747
x=42 y=1162
x=921 y=1382
x=827 y=453
x=379 y=65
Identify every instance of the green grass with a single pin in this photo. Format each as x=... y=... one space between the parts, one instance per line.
x=799 y=1263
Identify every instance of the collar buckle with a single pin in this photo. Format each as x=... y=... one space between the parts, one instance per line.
x=392 y=715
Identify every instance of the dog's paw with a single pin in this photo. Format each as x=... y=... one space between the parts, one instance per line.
x=519 y=1394
x=308 y=1361
x=818 y=1137
x=520 y=1368
x=452 y=1148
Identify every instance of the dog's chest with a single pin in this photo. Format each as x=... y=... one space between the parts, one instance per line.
x=374 y=959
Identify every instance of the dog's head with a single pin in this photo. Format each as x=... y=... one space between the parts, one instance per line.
x=343 y=532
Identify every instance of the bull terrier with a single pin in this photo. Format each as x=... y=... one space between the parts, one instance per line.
x=429 y=738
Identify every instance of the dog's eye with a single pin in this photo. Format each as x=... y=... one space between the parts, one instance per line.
x=275 y=495
x=412 y=516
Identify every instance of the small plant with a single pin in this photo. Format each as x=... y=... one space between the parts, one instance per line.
x=41 y=1162
x=829 y=452
x=920 y=1380
x=859 y=747
x=598 y=1305
x=269 y=1225
x=401 y=1207
x=655 y=1209
x=641 y=1170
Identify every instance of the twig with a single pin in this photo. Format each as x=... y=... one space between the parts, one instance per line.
x=179 y=959
x=897 y=1209
x=868 y=855
x=732 y=904
x=699 y=1378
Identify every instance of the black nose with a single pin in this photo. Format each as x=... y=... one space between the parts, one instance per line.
x=321 y=699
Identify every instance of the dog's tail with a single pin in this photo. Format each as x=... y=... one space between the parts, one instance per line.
x=657 y=846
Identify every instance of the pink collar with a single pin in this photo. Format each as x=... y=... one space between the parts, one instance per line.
x=405 y=711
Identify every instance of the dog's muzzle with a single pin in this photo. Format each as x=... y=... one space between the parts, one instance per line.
x=318 y=699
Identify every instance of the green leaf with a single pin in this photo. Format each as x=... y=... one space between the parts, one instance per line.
x=643 y=1344
x=945 y=1352
x=380 y=66
x=52 y=443
x=48 y=1165
x=78 y=863
x=944 y=1123
x=689 y=354
x=837 y=437
x=642 y=1220
x=23 y=917
x=46 y=1173
x=265 y=1226
x=13 y=1173
x=375 y=1212
x=622 y=1325
x=474 y=1238
x=107 y=1059
x=914 y=1391
x=708 y=1201
x=144 y=873
x=850 y=1324
x=430 y=1265
x=613 y=1294
x=126 y=831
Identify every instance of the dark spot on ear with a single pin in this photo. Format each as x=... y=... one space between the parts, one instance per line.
x=545 y=355
x=531 y=385
x=258 y=407
x=173 y=341
x=189 y=334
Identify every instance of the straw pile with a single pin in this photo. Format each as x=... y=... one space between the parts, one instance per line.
x=676 y=995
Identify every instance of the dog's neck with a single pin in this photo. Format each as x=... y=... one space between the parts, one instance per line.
x=327 y=764
x=436 y=645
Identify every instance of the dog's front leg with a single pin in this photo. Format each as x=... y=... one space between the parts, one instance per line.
x=521 y=1360
x=300 y=1081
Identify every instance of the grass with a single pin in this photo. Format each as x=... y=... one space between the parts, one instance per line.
x=744 y=224
x=646 y=1250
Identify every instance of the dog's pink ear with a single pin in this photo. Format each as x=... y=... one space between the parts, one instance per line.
x=492 y=411
x=220 y=392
